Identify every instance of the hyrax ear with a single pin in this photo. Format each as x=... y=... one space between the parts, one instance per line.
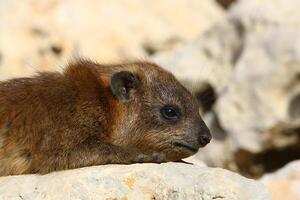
x=122 y=83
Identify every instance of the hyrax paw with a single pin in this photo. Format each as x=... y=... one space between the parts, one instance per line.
x=159 y=157
x=154 y=157
x=141 y=158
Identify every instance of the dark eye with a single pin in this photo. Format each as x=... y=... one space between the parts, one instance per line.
x=170 y=112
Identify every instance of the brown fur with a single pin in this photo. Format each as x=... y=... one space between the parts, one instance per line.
x=62 y=121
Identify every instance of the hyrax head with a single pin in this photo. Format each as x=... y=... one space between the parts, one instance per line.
x=156 y=112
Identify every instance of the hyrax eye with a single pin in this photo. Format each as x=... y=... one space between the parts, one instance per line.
x=170 y=113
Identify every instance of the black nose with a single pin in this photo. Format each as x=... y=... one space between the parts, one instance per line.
x=204 y=139
x=204 y=135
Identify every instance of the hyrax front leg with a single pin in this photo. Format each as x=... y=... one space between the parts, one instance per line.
x=91 y=152
x=110 y=154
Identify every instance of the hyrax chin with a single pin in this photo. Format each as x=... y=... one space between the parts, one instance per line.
x=94 y=114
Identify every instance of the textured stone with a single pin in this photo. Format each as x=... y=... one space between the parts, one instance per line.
x=207 y=59
x=284 y=183
x=266 y=75
x=42 y=35
x=138 y=181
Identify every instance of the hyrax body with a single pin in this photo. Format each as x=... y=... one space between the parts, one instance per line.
x=93 y=114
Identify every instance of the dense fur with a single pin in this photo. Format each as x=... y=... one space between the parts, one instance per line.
x=57 y=121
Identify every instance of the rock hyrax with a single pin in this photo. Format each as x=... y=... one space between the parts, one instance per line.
x=94 y=114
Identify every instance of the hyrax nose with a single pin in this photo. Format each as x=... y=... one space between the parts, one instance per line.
x=204 y=139
x=204 y=135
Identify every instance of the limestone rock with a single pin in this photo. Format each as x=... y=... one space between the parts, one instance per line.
x=138 y=181
x=43 y=35
x=284 y=183
x=208 y=59
x=265 y=79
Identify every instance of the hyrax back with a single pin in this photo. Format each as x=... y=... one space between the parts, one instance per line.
x=93 y=114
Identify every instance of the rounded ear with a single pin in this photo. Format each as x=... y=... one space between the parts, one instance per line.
x=122 y=83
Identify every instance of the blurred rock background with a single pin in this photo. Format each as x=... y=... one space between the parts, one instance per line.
x=240 y=58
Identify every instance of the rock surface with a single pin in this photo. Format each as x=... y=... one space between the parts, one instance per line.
x=42 y=35
x=207 y=59
x=266 y=75
x=138 y=181
x=284 y=183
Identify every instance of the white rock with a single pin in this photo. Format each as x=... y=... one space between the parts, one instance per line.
x=266 y=75
x=207 y=59
x=284 y=183
x=138 y=181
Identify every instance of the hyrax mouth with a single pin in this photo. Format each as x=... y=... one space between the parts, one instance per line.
x=186 y=146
